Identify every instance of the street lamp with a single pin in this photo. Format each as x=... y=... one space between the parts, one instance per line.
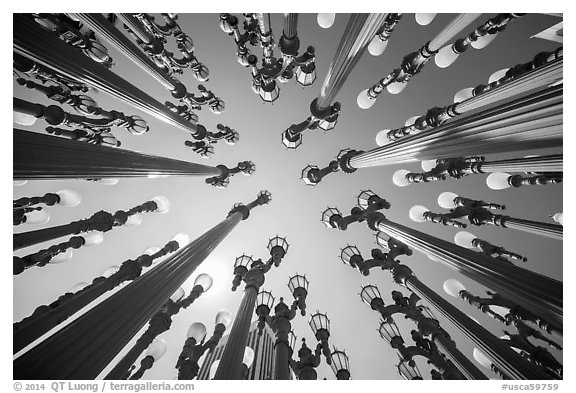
x=468 y=240
x=254 y=277
x=25 y=212
x=320 y=325
x=424 y=19
x=407 y=371
x=195 y=347
x=325 y=21
x=340 y=364
x=380 y=41
x=304 y=368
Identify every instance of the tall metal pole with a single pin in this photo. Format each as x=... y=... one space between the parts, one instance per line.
x=83 y=348
x=44 y=157
x=359 y=32
x=531 y=122
x=551 y=163
x=540 y=294
x=31 y=41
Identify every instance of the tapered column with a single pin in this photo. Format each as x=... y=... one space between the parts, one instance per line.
x=551 y=163
x=290 y=26
x=553 y=231
x=39 y=156
x=531 y=122
x=106 y=30
x=466 y=367
x=231 y=361
x=83 y=348
x=359 y=32
x=450 y=31
x=31 y=41
x=282 y=350
x=501 y=354
x=535 y=292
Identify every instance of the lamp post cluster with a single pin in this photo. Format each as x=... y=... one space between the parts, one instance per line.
x=478 y=39
x=75 y=34
x=280 y=322
x=258 y=30
x=413 y=63
x=519 y=285
x=502 y=84
x=479 y=213
x=324 y=112
x=253 y=274
x=101 y=221
x=195 y=346
x=427 y=326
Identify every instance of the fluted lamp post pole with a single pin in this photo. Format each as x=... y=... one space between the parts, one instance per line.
x=324 y=111
x=106 y=328
x=195 y=347
x=230 y=366
x=45 y=157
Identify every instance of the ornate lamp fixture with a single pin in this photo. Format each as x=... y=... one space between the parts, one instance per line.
x=380 y=41
x=320 y=325
x=24 y=207
x=245 y=167
x=195 y=347
x=340 y=364
x=468 y=240
x=304 y=368
x=502 y=180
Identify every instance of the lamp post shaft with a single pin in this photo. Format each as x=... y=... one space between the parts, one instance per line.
x=530 y=122
x=359 y=32
x=103 y=28
x=230 y=366
x=552 y=231
x=290 y=26
x=550 y=163
x=501 y=354
x=45 y=157
x=31 y=41
x=282 y=348
x=83 y=348
x=537 y=293
x=454 y=27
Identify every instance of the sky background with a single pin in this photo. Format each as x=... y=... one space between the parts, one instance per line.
x=295 y=210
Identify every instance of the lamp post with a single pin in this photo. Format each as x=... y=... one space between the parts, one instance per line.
x=45 y=317
x=246 y=167
x=538 y=293
x=468 y=240
x=408 y=370
x=502 y=180
x=478 y=213
x=427 y=326
x=38 y=156
x=340 y=364
x=101 y=221
x=54 y=115
x=43 y=257
x=304 y=368
x=379 y=43
x=195 y=347
x=324 y=111
x=274 y=70
x=500 y=308
x=280 y=321
x=478 y=39
x=106 y=328
x=412 y=63
x=320 y=325
x=458 y=167
x=156 y=350
x=254 y=277
x=46 y=49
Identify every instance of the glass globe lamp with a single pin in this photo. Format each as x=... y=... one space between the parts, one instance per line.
x=325 y=21
x=163 y=204
x=453 y=287
x=204 y=280
x=224 y=317
x=446 y=200
x=399 y=178
x=498 y=181
x=416 y=213
x=464 y=239
x=197 y=331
